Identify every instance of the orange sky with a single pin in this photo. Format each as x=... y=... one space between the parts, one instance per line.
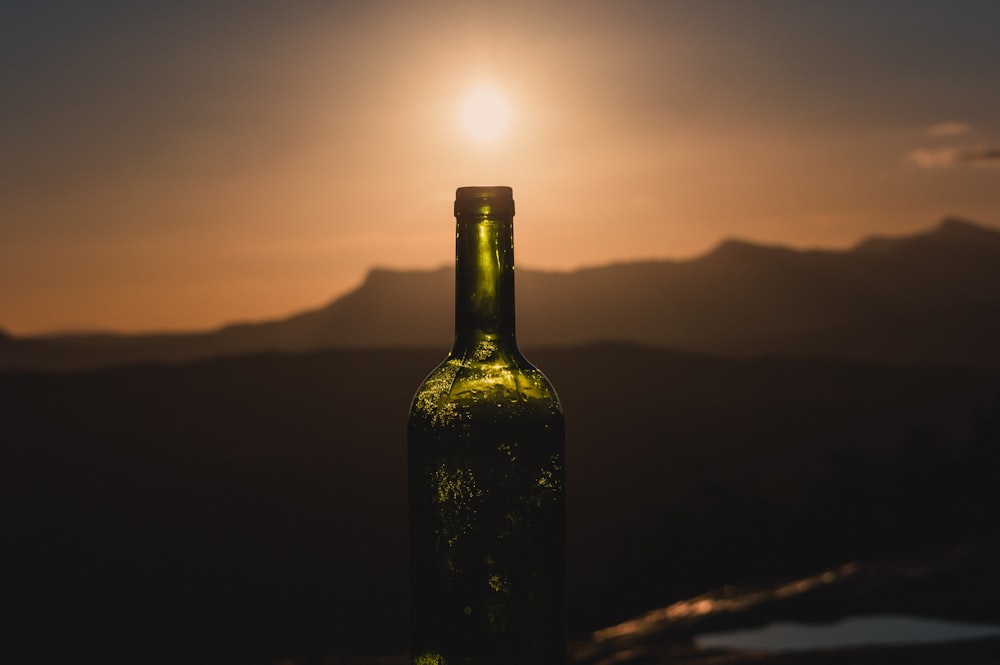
x=182 y=165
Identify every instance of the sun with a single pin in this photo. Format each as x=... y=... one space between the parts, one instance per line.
x=485 y=114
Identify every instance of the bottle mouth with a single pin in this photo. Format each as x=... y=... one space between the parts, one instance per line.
x=485 y=201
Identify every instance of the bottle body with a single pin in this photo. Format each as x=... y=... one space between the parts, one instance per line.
x=486 y=478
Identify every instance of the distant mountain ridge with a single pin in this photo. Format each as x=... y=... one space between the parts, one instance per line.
x=931 y=297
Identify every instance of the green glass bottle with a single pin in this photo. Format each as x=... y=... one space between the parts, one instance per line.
x=485 y=439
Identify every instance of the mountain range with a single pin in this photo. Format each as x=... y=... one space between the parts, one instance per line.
x=931 y=297
x=252 y=508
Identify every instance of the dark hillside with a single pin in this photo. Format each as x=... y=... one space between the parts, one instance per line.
x=254 y=507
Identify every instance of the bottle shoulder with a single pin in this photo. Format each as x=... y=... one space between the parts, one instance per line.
x=499 y=385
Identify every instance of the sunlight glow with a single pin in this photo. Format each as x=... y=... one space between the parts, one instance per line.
x=731 y=601
x=485 y=114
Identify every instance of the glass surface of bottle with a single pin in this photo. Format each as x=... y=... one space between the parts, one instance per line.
x=486 y=472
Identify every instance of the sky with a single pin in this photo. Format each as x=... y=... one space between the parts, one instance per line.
x=180 y=165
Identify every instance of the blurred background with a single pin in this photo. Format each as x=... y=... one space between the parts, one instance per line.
x=758 y=252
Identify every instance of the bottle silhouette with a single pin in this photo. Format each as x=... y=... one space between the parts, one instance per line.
x=486 y=498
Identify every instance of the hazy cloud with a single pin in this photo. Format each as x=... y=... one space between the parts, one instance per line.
x=948 y=129
x=933 y=158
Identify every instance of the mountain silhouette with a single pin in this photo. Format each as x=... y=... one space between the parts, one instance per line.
x=252 y=508
x=932 y=297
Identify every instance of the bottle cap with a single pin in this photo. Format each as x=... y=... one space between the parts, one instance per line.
x=491 y=201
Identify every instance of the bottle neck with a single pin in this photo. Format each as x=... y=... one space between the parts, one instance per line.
x=484 y=285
